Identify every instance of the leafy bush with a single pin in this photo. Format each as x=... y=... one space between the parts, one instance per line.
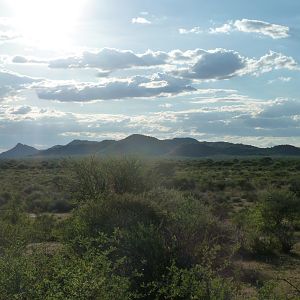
x=96 y=177
x=270 y=225
x=64 y=275
x=199 y=282
x=91 y=179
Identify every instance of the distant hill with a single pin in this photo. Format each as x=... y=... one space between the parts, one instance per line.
x=76 y=147
x=19 y=151
x=146 y=145
x=150 y=146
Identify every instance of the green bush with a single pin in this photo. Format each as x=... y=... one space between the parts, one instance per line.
x=97 y=177
x=63 y=275
x=270 y=225
x=199 y=282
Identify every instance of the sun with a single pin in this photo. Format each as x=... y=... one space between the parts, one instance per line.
x=47 y=23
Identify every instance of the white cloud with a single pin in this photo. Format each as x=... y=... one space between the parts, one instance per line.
x=255 y=26
x=274 y=31
x=7 y=30
x=19 y=59
x=282 y=108
x=215 y=64
x=255 y=120
x=21 y=110
x=184 y=69
x=135 y=87
x=140 y=20
x=271 y=61
x=26 y=112
x=196 y=30
x=223 y=64
x=195 y=64
x=12 y=79
x=284 y=79
x=166 y=105
x=8 y=35
x=226 y=28
x=280 y=79
x=111 y=59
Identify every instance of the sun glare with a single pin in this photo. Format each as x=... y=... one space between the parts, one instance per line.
x=48 y=23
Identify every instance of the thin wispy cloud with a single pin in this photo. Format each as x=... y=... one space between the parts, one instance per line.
x=140 y=20
x=196 y=30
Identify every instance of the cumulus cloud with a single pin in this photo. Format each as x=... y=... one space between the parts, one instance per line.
x=247 y=118
x=180 y=70
x=11 y=79
x=226 y=28
x=27 y=112
x=140 y=20
x=194 y=64
x=255 y=26
x=223 y=64
x=271 y=61
x=12 y=82
x=19 y=59
x=22 y=110
x=111 y=59
x=281 y=108
x=215 y=64
x=135 y=87
x=274 y=31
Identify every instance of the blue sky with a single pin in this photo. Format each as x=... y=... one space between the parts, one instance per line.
x=87 y=69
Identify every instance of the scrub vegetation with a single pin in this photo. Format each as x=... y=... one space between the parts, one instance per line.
x=128 y=228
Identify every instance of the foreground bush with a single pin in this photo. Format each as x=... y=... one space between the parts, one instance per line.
x=63 y=275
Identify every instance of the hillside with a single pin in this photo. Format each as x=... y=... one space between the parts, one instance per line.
x=150 y=146
x=19 y=151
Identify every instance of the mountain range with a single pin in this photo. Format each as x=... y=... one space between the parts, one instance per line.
x=149 y=146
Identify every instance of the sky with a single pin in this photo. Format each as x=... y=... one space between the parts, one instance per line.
x=93 y=70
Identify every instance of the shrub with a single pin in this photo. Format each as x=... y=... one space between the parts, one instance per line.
x=127 y=175
x=96 y=177
x=116 y=211
x=199 y=282
x=43 y=228
x=192 y=227
x=91 y=179
x=15 y=226
x=63 y=275
x=280 y=210
x=270 y=225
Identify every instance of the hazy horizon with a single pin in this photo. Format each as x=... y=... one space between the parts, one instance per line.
x=93 y=70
